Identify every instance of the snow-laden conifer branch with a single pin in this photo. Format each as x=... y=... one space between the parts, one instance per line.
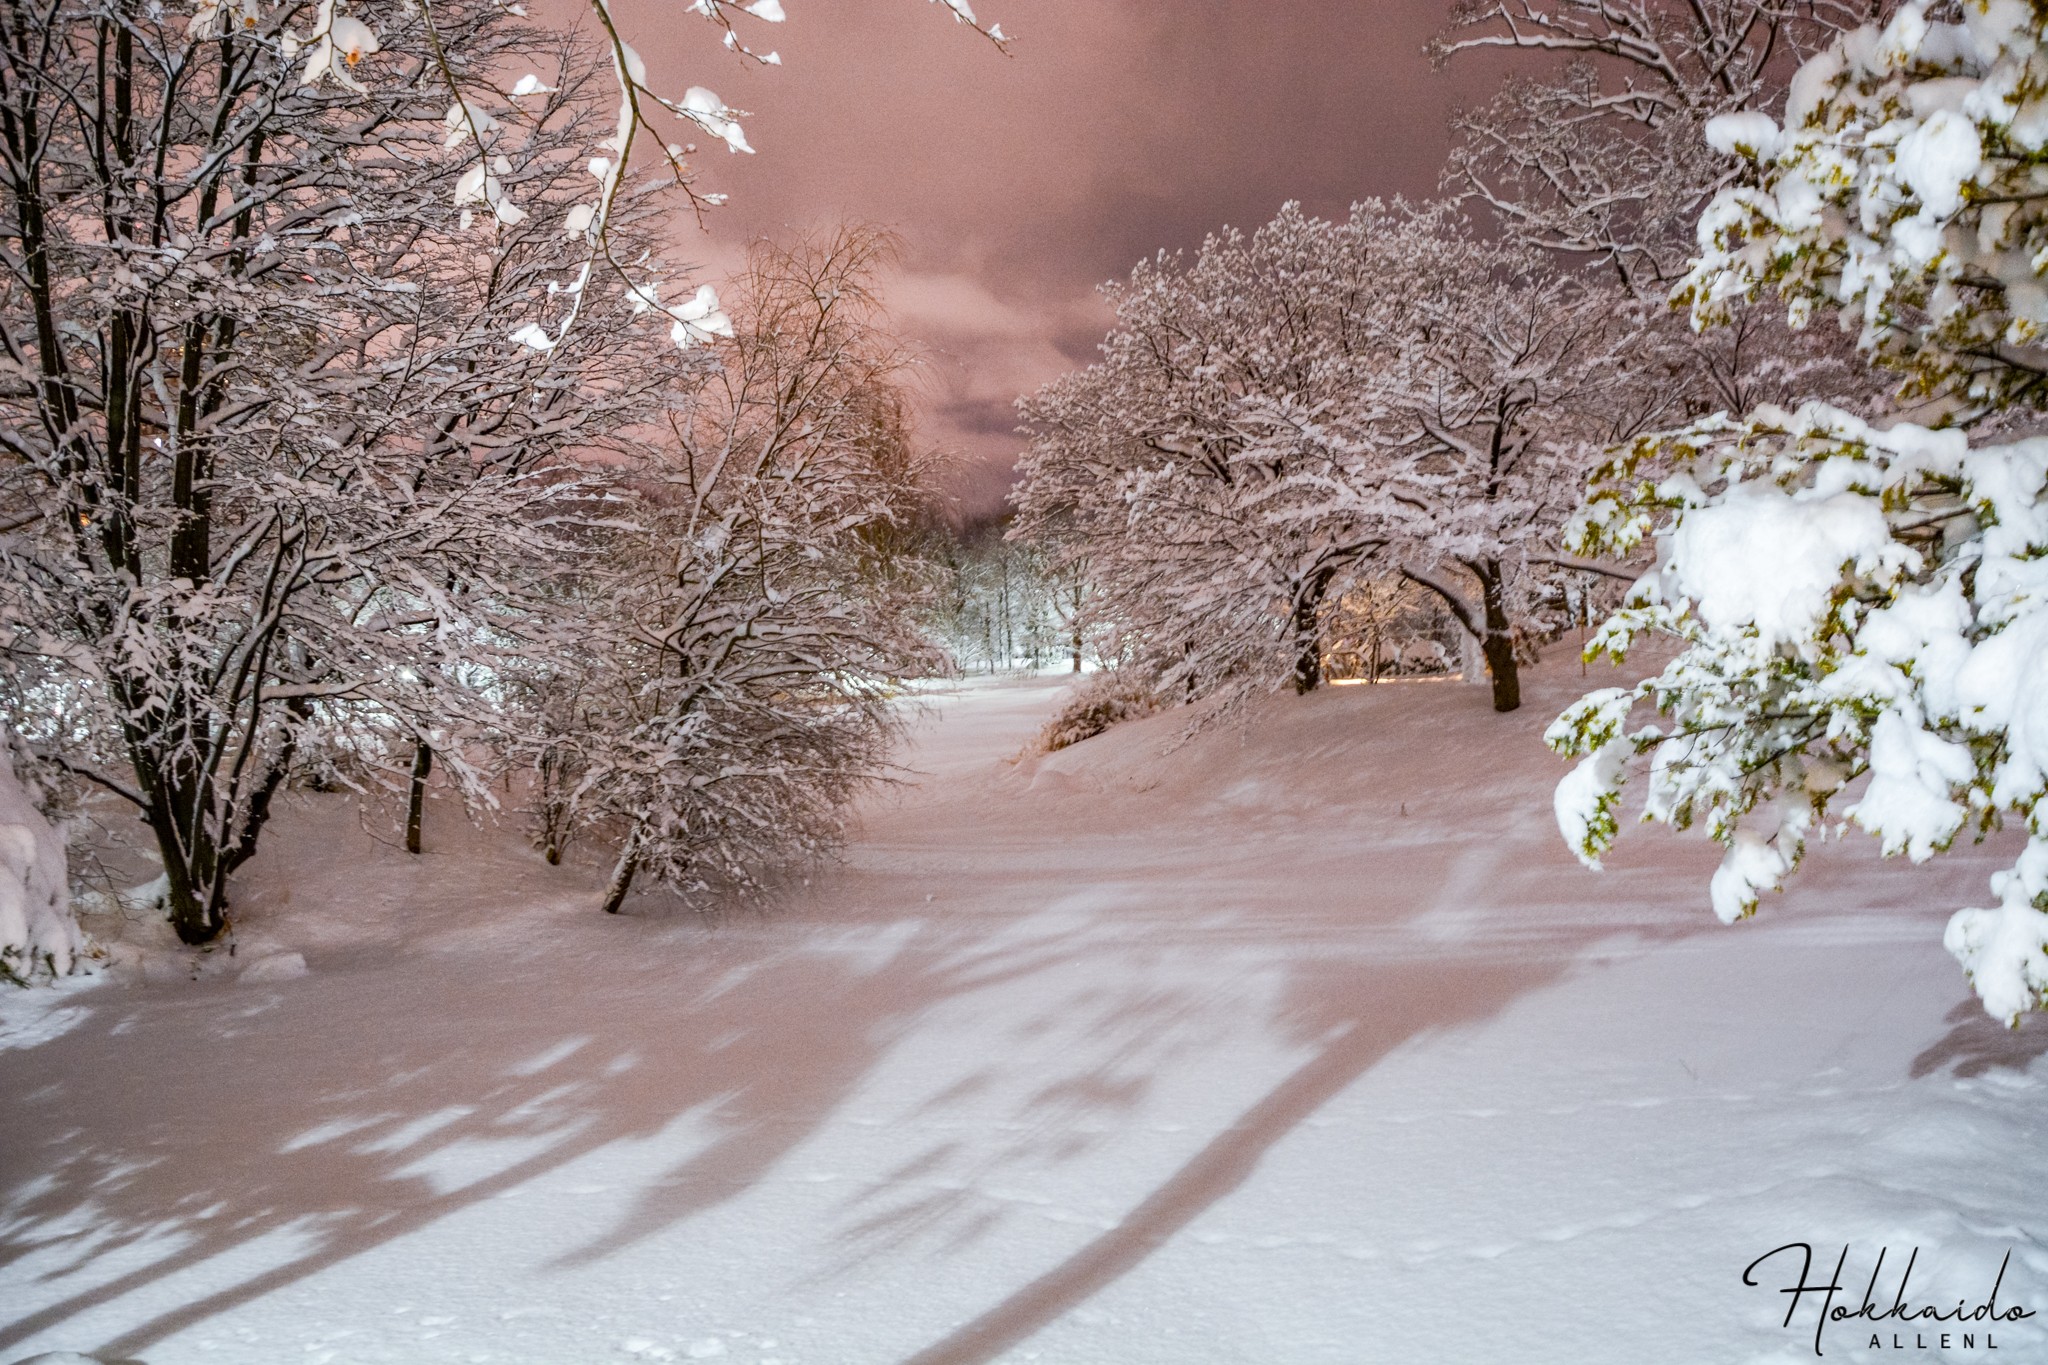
x=1856 y=600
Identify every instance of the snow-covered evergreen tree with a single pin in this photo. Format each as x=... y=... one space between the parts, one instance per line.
x=1856 y=601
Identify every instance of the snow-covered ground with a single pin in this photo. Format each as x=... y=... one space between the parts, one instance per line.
x=1302 y=1042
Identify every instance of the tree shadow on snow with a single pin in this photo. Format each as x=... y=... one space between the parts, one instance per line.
x=290 y=1129
x=1356 y=986
x=1978 y=1043
x=258 y=1136
x=1357 y=1014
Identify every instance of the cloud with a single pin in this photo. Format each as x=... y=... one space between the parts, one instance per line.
x=1118 y=128
x=979 y=351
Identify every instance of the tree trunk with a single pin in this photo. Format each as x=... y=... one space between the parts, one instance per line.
x=196 y=917
x=1471 y=658
x=622 y=876
x=422 y=764
x=1305 y=628
x=197 y=911
x=200 y=844
x=1075 y=619
x=1499 y=644
x=1308 y=665
x=180 y=796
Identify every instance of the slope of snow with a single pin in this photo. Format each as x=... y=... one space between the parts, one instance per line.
x=1305 y=1042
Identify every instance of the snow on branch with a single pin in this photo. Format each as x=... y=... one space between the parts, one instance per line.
x=1296 y=413
x=1856 y=600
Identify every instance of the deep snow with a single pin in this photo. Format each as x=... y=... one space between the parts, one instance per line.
x=1303 y=1042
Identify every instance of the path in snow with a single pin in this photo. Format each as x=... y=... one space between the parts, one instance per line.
x=1301 y=1043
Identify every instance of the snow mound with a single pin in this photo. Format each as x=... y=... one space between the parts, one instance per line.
x=37 y=931
x=276 y=967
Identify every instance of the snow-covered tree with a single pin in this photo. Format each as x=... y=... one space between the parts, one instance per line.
x=1496 y=382
x=753 y=607
x=1385 y=626
x=1857 y=603
x=1595 y=148
x=643 y=124
x=1173 y=463
x=1000 y=602
x=275 y=470
x=1593 y=152
x=1390 y=392
x=992 y=608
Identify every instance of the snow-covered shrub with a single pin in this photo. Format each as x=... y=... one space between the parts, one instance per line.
x=1099 y=701
x=1858 y=602
x=753 y=608
x=37 y=931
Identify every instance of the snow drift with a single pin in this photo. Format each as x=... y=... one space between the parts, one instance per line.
x=37 y=932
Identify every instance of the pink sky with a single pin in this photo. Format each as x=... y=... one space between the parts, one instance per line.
x=1116 y=128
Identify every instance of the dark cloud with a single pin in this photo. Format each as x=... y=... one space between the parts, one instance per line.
x=979 y=418
x=1118 y=128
